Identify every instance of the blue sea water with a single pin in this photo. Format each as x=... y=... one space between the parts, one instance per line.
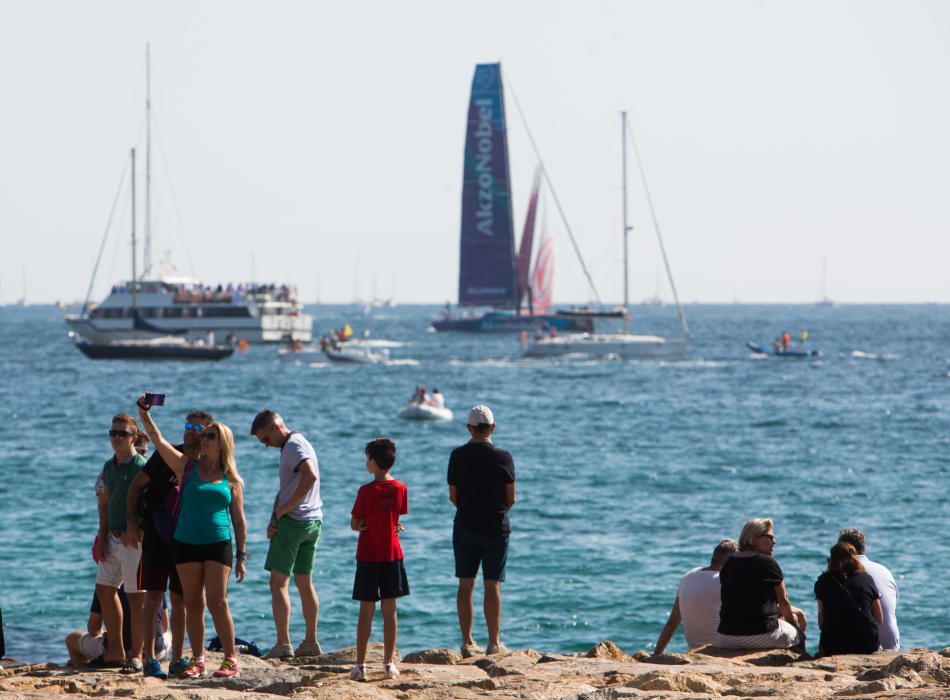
x=628 y=472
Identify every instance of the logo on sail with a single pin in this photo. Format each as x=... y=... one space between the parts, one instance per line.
x=484 y=213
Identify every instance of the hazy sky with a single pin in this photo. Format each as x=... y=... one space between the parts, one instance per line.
x=305 y=139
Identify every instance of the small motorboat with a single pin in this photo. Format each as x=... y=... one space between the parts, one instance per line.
x=798 y=352
x=355 y=354
x=424 y=411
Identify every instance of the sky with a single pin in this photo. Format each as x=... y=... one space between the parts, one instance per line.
x=321 y=143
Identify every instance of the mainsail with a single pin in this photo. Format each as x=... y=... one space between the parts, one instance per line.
x=542 y=276
x=527 y=242
x=487 y=252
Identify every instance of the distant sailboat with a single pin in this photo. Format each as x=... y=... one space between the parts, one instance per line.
x=825 y=300
x=489 y=273
x=623 y=344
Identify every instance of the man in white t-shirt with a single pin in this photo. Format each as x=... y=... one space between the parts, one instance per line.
x=293 y=532
x=886 y=585
x=697 y=602
x=437 y=399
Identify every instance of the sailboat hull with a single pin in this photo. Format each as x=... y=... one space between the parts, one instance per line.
x=499 y=322
x=153 y=351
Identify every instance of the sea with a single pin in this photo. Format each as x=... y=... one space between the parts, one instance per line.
x=628 y=472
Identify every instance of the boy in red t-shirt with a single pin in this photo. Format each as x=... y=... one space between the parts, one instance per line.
x=380 y=574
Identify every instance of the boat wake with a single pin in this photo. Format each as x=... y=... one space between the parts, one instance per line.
x=861 y=355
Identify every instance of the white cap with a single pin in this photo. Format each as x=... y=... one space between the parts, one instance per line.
x=480 y=414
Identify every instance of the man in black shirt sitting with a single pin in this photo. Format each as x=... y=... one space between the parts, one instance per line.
x=482 y=487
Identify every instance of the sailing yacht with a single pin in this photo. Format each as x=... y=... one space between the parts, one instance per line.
x=625 y=344
x=148 y=348
x=257 y=313
x=489 y=273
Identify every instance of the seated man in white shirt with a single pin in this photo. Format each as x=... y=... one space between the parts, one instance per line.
x=436 y=399
x=886 y=586
x=697 y=602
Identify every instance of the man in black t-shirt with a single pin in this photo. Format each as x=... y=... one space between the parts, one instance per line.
x=158 y=569
x=482 y=487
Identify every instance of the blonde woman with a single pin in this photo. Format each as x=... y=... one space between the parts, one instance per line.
x=756 y=612
x=211 y=501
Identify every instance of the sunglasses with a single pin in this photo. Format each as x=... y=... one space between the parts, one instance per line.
x=119 y=433
x=770 y=538
x=197 y=427
x=209 y=436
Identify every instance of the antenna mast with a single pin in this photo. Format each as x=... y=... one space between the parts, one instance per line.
x=626 y=227
x=148 y=158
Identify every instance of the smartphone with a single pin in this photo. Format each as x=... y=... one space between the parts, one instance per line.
x=154 y=399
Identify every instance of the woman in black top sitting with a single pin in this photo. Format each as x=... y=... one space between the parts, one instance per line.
x=849 y=605
x=756 y=612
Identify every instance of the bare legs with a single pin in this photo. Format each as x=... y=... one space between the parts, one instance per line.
x=310 y=604
x=136 y=603
x=208 y=577
x=280 y=605
x=112 y=618
x=464 y=603
x=177 y=625
x=365 y=626
x=492 y=608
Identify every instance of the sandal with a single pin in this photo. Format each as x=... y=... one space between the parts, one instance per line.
x=131 y=666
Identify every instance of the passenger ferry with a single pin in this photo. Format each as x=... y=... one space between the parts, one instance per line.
x=257 y=313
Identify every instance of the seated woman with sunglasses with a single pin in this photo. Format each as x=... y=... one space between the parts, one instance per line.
x=756 y=613
x=212 y=499
x=849 y=605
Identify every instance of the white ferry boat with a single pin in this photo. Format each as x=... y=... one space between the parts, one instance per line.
x=256 y=313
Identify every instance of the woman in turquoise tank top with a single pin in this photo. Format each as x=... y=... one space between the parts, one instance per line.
x=211 y=501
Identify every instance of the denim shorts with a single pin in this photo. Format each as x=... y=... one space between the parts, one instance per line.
x=473 y=548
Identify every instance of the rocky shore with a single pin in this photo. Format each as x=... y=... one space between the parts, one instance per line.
x=603 y=673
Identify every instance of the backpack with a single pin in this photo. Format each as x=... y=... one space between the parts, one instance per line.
x=166 y=518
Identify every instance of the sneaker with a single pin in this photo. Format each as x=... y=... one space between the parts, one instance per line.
x=390 y=671
x=470 y=650
x=229 y=668
x=497 y=649
x=280 y=651
x=308 y=649
x=177 y=668
x=153 y=669
x=196 y=667
x=358 y=672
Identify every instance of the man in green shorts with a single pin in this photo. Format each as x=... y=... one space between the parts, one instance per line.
x=293 y=532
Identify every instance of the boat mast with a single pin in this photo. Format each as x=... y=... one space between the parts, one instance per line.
x=148 y=158
x=626 y=227
x=134 y=271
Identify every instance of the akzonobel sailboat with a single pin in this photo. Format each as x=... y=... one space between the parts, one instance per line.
x=490 y=276
x=625 y=344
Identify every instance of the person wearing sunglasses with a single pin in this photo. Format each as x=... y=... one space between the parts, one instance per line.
x=756 y=612
x=161 y=488
x=117 y=564
x=211 y=502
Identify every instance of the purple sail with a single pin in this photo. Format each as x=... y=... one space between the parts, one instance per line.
x=487 y=250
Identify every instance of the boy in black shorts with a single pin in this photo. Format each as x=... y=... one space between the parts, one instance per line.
x=380 y=574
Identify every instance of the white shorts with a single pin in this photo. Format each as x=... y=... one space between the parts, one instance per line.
x=782 y=637
x=92 y=646
x=120 y=567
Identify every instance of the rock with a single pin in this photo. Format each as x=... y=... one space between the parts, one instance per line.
x=682 y=682
x=606 y=650
x=440 y=657
x=607 y=674
x=667 y=660
x=927 y=664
